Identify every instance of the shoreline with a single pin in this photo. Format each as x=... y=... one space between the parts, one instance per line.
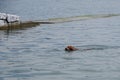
x=28 y=24
x=22 y=25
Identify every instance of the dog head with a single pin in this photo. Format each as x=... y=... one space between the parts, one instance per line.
x=70 y=48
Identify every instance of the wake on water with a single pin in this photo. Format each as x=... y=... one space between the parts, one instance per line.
x=91 y=47
x=97 y=47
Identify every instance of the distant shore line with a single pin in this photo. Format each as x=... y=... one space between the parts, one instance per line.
x=27 y=24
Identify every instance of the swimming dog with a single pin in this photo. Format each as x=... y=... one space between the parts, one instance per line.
x=70 y=48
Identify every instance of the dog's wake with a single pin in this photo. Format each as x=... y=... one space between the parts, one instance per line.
x=89 y=47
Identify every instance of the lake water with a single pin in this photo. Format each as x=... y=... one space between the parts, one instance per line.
x=38 y=53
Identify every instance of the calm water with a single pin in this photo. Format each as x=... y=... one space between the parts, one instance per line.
x=38 y=53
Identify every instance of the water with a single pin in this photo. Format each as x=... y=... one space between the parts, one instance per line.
x=38 y=53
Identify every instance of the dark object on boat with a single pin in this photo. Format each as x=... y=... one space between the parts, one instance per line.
x=70 y=48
